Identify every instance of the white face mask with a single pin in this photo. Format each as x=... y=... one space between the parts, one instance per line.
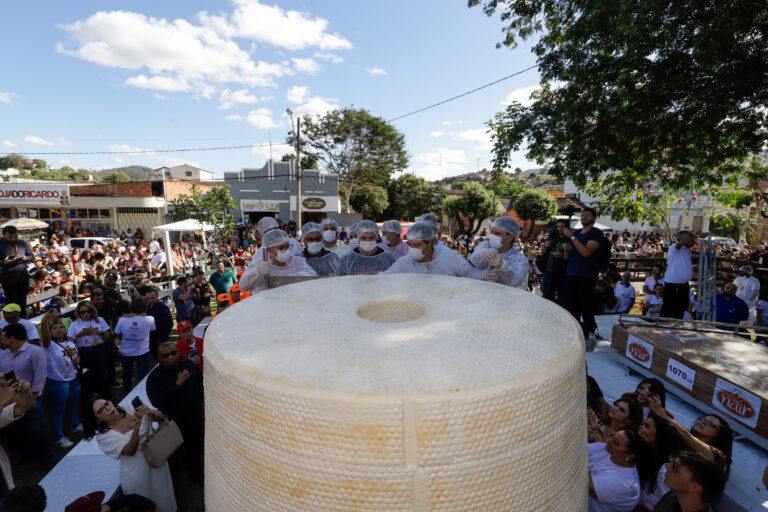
x=368 y=246
x=283 y=256
x=329 y=235
x=354 y=242
x=314 y=247
x=495 y=241
x=416 y=254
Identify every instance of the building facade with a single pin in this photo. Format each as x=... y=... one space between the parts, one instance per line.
x=271 y=191
x=182 y=172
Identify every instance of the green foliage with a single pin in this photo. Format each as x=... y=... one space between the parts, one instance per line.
x=116 y=177
x=40 y=164
x=13 y=160
x=307 y=161
x=214 y=207
x=410 y=196
x=135 y=172
x=671 y=92
x=360 y=148
x=502 y=186
x=476 y=205
x=737 y=225
x=535 y=205
x=370 y=201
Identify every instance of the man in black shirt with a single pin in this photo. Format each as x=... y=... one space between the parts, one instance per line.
x=557 y=263
x=202 y=293
x=15 y=254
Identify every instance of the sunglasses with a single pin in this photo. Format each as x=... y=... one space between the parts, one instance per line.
x=169 y=354
x=707 y=422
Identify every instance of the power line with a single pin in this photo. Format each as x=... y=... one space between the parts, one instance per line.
x=464 y=93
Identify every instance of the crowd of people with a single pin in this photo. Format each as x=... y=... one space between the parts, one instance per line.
x=119 y=317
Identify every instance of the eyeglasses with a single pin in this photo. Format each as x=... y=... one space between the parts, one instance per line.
x=103 y=408
x=707 y=422
x=169 y=354
x=675 y=464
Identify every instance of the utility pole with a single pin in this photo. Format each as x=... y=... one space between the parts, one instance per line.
x=298 y=174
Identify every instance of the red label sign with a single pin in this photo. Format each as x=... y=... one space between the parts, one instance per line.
x=639 y=352
x=734 y=403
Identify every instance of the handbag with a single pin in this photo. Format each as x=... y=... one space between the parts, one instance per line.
x=159 y=445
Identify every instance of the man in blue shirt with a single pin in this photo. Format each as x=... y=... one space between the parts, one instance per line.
x=730 y=308
x=182 y=299
x=581 y=276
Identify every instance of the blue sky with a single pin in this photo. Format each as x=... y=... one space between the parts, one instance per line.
x=110 y=76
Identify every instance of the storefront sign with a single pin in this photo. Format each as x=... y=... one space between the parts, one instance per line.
x=738 y=402
x=681 y=374
x=21 y=194
x=255 y=205
x=314 y=203
x=639 y=351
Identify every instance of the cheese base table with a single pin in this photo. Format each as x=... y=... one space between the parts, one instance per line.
x=395 y=392
x=721 y=371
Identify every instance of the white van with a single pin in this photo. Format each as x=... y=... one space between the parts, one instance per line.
x=88 y=242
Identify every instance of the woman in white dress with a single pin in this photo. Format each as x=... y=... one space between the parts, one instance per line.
x=118 y=434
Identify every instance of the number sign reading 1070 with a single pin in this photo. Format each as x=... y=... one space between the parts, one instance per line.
x=681 y=374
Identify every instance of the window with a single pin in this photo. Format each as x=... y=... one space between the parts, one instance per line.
x=188 y=173
x=126 y=209
x=77 y=243
x=5 y=213
x=104 y=213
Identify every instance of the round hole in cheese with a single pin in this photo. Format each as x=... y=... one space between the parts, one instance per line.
x=395 y=392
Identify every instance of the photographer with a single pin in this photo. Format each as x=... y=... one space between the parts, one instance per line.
x=14 y=277
x=15 y=400
x=556 y=249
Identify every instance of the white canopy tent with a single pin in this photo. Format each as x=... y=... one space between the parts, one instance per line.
x=577 y=225
x=182 y=225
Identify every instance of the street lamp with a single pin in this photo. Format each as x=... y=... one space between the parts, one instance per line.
x=298 y=167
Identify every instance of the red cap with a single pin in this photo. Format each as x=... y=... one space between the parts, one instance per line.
x=183 y=325
x=89 y=503
x=234 y=288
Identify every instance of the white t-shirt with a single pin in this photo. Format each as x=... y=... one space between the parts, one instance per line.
x=60 y=365
x=28 y=326
x=158 y=259
x=625 y=294
x=691 y=300
x=655 y=302
x=153 y=246
x=617 y=488
x=679 y=265
x=135 y=334
x=651 y=282
x=90 y=340
x=748 y=289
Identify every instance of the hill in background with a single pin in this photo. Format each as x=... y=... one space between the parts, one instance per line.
x=135 y=172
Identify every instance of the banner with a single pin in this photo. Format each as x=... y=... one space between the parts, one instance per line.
x=737 y=402
x=257 y=205
x=639 y=351
x=33 y=194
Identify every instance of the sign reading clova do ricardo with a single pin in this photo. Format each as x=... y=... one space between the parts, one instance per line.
x=22 y=194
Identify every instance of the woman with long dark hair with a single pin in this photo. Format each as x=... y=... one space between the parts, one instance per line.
x=118 y=434
x=664 y=441
x=618 y=470
x=626 y=413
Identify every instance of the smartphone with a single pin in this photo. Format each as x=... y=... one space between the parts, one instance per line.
x=10 y=376
x=136 y=403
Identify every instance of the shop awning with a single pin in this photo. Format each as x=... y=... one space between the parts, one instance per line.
x=185 y=225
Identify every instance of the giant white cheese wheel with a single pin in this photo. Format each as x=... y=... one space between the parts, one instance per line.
x=395 y=392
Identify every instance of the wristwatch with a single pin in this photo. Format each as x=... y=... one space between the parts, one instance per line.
x=573 y=237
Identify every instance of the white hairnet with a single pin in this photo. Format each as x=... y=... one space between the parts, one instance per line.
x=366 y=226
x=267 y=223
x=353 y=229
x=508 y=224
x=430 y=219
x=329 y=221
x=392 y=226
x=274 y=238
x=420 y=231
x=310 y=227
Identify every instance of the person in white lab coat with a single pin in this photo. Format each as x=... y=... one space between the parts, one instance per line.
x=425 y=257
x=281 y=262
x=497 y=260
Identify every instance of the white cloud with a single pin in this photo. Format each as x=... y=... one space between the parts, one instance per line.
x=306 y=65
x=123 y=148
x=277 y=151
x=480 y=135
x=261 y=118
x=179 y=56
x=449 y=123
x=317 y=106
x=8 y=144
x=376 y=71
x=437 y=133
x=292 y=30
x=522 y=95
x=229 y=98
x=160 y=96
x=39 y=141
x=297 y=94
x=161 y=160
x=233 y=117
x=439 y=164
x=7 y=97
x=119 y=160
x=335 y=59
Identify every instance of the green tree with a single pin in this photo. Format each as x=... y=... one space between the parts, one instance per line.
x=639 y=88
x=116 y=177
x=14 y=160
x=307 y=161
x=369 y=200
x=214 y=207
x=360 y=148
x=410 y=196
x=535 y=205
x=503 y=186
x=475 y=205
x=40 y=164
